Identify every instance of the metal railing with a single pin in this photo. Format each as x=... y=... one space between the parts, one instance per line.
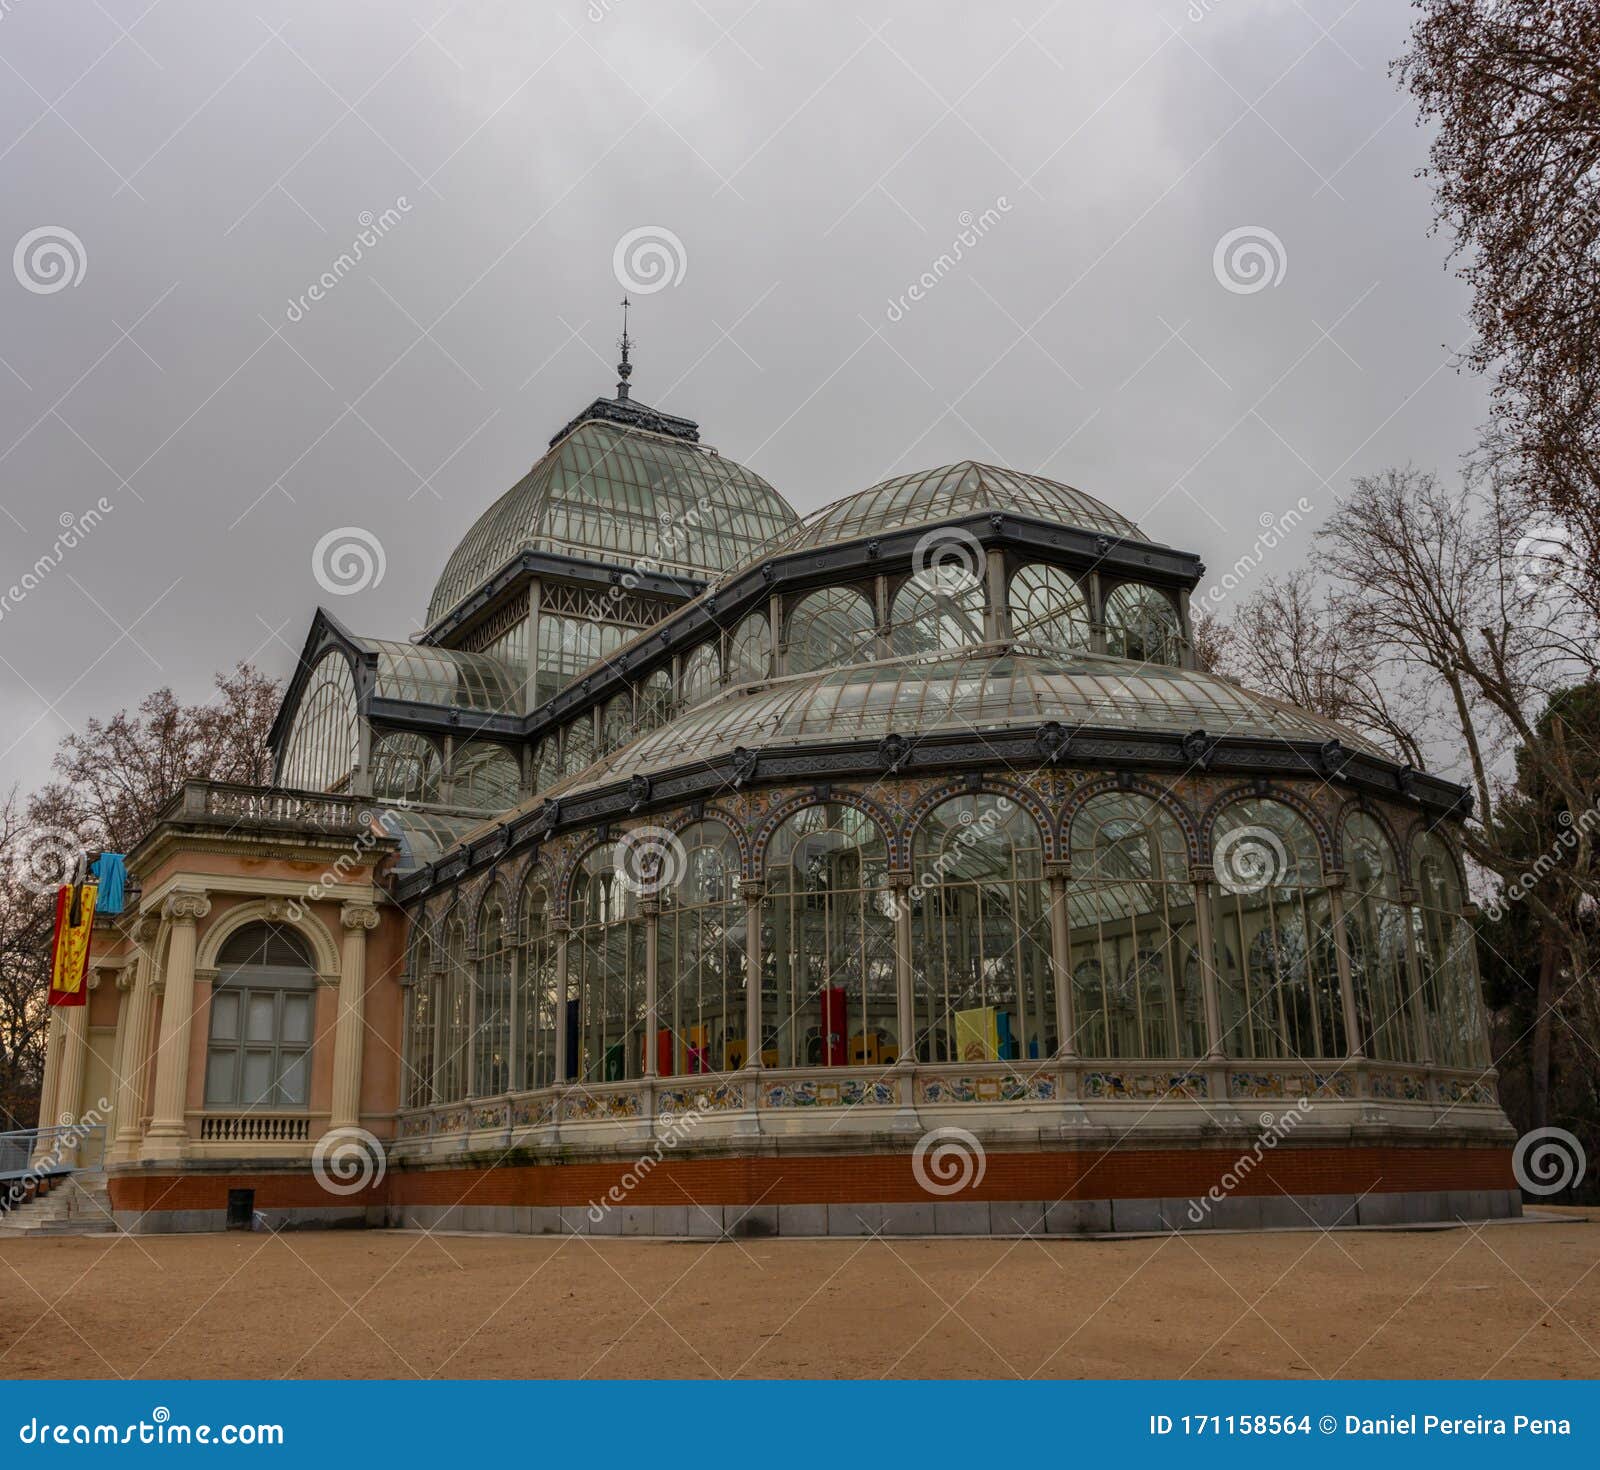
x=30 y=1156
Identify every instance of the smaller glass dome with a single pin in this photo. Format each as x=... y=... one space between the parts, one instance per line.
x=423 y=674
x=944 y=493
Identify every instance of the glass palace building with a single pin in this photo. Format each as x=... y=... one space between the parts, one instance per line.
x=702 y=869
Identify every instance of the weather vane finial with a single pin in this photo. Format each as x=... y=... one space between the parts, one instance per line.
x=624 y=368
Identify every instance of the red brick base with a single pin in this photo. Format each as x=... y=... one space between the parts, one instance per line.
x=882 y=1178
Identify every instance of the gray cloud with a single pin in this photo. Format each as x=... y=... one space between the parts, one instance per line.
x=814 y=162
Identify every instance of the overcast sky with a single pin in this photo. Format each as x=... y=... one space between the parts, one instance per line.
x=795 y=167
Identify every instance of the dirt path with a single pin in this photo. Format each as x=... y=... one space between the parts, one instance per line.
x=1501 y=1301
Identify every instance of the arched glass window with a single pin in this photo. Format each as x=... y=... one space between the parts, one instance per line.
x=1136 y=981
x=536 y=988
x=1443 y=938
x=486 y=777
x=829 y=627
x=1375 y=936
x=605 y=968
x=258 y=1053
x=1143 y=624
x=750 y=650
x=655 y=701
x=982 y=984
x=455 y=999
x=405 y=767
x=421 y=1020
x=701 y=957
x=1277 y=965
x=940 y=608
x=577 y=745
x=701 y=675
x=1047 y=608
x=324 y=744
x=828 y=990
x=616 y=723
x=492 y=1002
x=547 y=762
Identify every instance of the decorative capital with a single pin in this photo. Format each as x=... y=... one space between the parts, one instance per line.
x=752 y=890
x=358 y=916
x=125 y=978
x=1058 y=871
x=1202 y=873
x=650 y=908
x=185 y=908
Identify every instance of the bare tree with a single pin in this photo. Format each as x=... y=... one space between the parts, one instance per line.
x=1512 y=88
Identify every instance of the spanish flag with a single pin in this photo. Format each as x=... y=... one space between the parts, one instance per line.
x=70 y=948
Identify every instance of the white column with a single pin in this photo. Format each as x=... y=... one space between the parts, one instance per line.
x=134 y=1055
x=358 y=919
x=1419 y=1012
x=55 y=1039
x=69 y=1079
x=995 y=621
x=1203 y=878
x=563 y=1062
x=1059 y=874
x=751 y=890
x=1353 y=1040
x=169 y=1132
x=650 y=908
x=904 y=968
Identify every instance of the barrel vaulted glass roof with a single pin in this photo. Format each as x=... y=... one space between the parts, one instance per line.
x=945 y=493
x=990 y=687
x=623 y=496
x=424 y=674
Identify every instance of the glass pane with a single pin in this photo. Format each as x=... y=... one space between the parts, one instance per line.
x=221 y=1067
x=294 y=1079
x=296 y=1020
x=256 y=1089
x=225 y=1016
x=260 y=1011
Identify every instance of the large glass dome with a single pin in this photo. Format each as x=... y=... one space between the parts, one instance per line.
x=621 y=495
x=980 y=688
x=949 y=491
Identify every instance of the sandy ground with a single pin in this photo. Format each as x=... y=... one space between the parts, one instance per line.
x=1499 y=1301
